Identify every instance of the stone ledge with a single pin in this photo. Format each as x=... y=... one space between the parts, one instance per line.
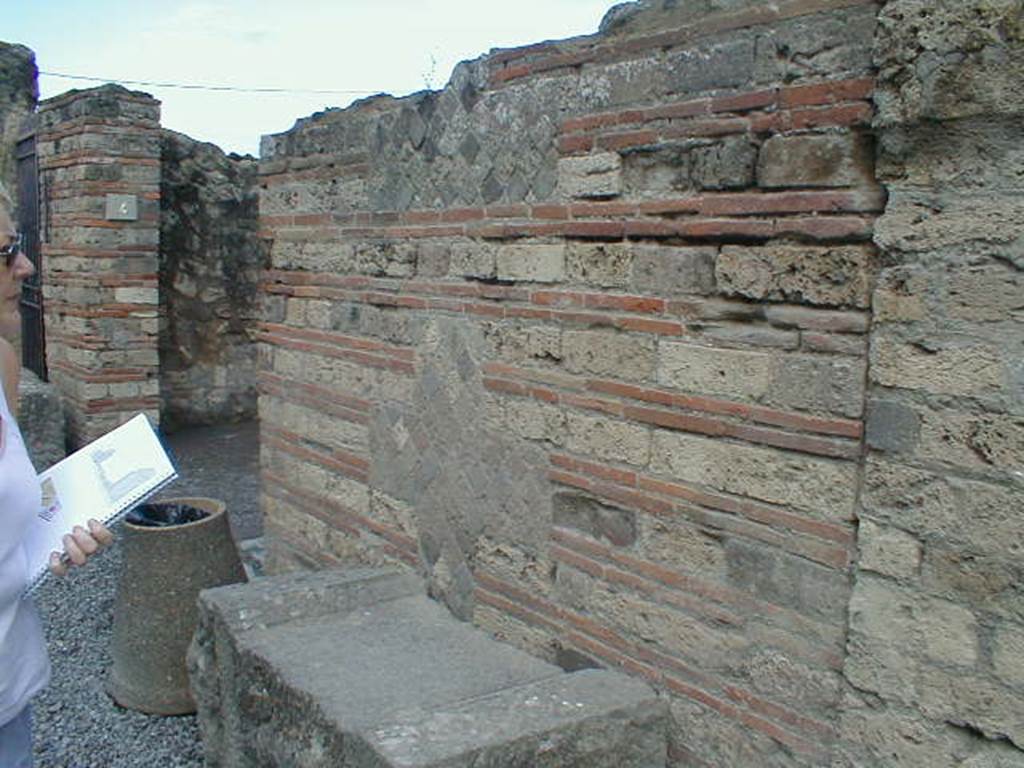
x=360 y=669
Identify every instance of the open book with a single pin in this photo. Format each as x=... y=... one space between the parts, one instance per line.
x=101 y=481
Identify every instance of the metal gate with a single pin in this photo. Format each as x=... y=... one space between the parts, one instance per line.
x=33 y=339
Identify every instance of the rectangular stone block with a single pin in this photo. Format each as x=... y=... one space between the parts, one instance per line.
x=952 y=370
x=359 y=669
x=830 y=276
x=607 y=438
x=825 y=383
x=531 y=263
x=887 y=550
x=822 y=487
x=604 y=265
x=609 y=354
x=828 y=160
x=667 y=270
x=590 y=177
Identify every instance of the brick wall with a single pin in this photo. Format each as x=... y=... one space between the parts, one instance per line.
x=582 y=337
x=100 y=276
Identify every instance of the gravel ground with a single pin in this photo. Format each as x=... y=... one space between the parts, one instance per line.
x=76 y=724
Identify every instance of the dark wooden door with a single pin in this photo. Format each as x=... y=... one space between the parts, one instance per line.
x=33 y=339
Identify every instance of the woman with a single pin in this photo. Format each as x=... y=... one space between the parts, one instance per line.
x=24 y=666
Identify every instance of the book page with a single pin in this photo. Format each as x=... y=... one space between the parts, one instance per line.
x=102 y=480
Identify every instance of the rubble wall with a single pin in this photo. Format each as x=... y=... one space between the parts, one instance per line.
x=210 y=262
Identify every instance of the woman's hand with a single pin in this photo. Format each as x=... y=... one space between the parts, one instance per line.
x=79 y=546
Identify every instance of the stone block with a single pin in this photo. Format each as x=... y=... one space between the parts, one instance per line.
x=829 y=160
x=667 y=270
x=604 y=265
x=954 y=370
x=830 y=383
x=885 y=644
x=784 y=579
x=967 y=515
x=516 y=343
x=725 y=64
x=609 y=354
x=714 y=371
x=823 y=487
x=590 y=177
x=831 y=276
x=892 y=426
x=1008 y=654
x=948 y=61
x=601 y=521
x=950 y=633
x=360 y=669
x=888 y=551
x=728 y=164
x=607 y=438
x=531 y=263
x=471 y=258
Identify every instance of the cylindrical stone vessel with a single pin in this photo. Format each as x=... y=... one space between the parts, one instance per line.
x=155 y=614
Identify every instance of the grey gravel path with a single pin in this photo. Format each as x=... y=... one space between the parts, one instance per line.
x=76 y=724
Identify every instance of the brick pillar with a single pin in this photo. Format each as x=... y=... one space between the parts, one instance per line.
x=99 y=162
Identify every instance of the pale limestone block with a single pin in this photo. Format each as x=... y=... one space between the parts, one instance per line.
x=590 y=176
x=609 y=353
x=968 y=371
x=136 y=295
x=950 y=633
x=823 y=487
x=888 y=551
x=715 y=371
x=535 y=420
x=1008 y=654
x=531 y=263
x=884 y=646
x=608 y=438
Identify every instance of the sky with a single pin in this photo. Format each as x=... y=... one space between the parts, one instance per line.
x=358 y=47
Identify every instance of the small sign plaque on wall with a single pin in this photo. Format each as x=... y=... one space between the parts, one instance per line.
x=122 y=208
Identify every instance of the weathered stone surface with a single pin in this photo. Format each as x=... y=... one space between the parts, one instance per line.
x=888 y=551
x=670 y=270
x=827 y=383
x=949 y=60
x=531 y=263
x=892 y=426
x=359 y=669
x=609 y=354
x=814 y=161
x=820 y=486
x=41 y=419
x=19 y=92
x=837 y=276
x=592 y=176
x=603 y=265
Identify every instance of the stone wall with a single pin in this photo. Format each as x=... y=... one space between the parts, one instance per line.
x=936 y=645
x=210 y=261
x=19 y=93
x=583 y=338
x=100 y=292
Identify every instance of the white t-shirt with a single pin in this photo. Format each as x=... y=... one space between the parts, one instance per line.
x=24 y=665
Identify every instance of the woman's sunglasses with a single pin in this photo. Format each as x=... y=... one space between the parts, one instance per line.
x=10 y=251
